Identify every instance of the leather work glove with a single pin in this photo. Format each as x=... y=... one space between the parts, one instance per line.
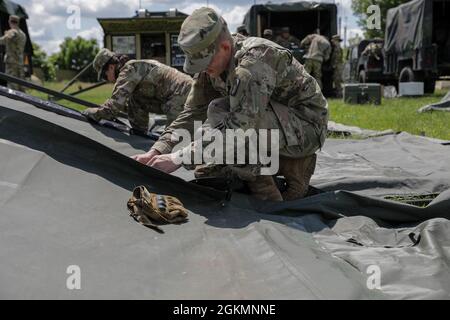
x=97 y=114
x=150 y=209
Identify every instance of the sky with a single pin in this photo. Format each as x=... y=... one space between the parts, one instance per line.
x=48 y=27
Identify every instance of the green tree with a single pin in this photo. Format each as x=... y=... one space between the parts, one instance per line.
x=75 y=54
x=360 y=10
x=40 y=60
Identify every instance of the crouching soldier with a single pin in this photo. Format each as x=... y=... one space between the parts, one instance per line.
x=246 y=83
x=140 y=87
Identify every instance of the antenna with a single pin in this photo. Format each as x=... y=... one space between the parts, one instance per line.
x=140 y=4
x=345 y=32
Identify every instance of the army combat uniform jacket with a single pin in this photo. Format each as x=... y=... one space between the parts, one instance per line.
x=373 y=49
x=14 y=41
x=147 y=86
x=319 y=47
x=263 y=81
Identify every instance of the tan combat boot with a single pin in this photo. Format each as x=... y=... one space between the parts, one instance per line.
x=265 y=188
x=298 y=173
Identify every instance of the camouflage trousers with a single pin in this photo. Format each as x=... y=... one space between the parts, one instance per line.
x=314 y=68
x=297 y=138
x=15 y=70
x=337 y=79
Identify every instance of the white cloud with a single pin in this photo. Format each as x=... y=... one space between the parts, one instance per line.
x=50 y=46
x=188 y=8
x=92 y=33
x=235 y=16
x=48 y=18
x=36 y=33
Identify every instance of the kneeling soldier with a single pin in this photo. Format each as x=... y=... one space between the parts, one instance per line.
x=140 y=87
x=247 y=83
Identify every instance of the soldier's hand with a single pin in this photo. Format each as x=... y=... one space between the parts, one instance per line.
x=145 y=158
x=164 y=163
x=92 y=114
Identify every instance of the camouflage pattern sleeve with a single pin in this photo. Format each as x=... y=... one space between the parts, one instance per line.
x=306 y=41
x=129 y=77
x=173 y=107
x=254 y=82
x=9 y=35
x=195 y=109
x=253 y=86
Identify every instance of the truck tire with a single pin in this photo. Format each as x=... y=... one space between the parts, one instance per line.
x=362 y=76
x=407 y=75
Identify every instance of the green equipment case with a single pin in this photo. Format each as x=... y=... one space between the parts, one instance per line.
x=362 y=93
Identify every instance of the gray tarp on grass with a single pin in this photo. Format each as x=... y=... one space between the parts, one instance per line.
x=64 y=185
x=443 y=105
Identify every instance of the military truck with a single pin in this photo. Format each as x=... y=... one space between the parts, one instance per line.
x=364 y=68
x=8 y=8
x=303 y=18
x=417 y=42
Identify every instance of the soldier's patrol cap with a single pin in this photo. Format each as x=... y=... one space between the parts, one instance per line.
x=285 y=29
x=100 y=60
x=14 y=18
x=336 y=37
x=198 y=37
x=268 y=32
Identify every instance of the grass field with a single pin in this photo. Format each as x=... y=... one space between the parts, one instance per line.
x=398 y=114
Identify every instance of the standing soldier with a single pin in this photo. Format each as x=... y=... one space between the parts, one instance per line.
x=336 y=63
x=268 y=34
x=242 y=29
x=14 y=41
x=141 y=87
x=240 y=84
x=319 y=50
x=285 y=39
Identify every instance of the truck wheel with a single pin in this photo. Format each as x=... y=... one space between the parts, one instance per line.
x=407 y=75
x=362 y=77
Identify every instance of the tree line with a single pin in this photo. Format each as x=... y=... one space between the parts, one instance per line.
x=74 y=54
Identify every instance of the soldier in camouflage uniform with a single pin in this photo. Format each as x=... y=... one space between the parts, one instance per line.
x=268 y=34
x=247 y=83
x=14 y=40
x=285 y=39
x=319 y=50
x=374 y=49
x=336 y=63
x=141 y=87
